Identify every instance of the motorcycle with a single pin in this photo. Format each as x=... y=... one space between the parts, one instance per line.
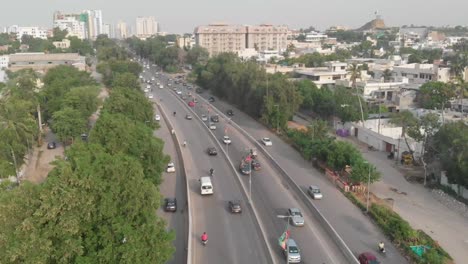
x=204 y=242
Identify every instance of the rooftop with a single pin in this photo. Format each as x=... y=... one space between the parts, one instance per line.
x=18 y=57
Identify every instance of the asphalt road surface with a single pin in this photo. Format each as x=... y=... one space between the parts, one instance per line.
x=270 y=195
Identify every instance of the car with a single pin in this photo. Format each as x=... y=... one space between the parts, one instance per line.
x=169 y=84
x=230 y=112
x=150 y=96
x=296 y=216
x=245 y=168
x=170 y=204
x=152 y=78
x=51 y=145
x=148 y=86
x=170 y=167
x=292 y=252
x=226 y=140
x=141 y=76
x=204 y=118
x=367 y=258
x=212 y=151
x=146 y=90
x=157 y=117
x=199 y=90
x=160 y=86
x=184 y=97
x=235 y=206
x=191 y=104
x=178 y=92
x=214 y=118
x=211 y=99
x=188 y=117
x=267 y=141
x=195 y=100
x=314 y=191
x=158 y=83
x=212 y=126
x=256 y=165
x=184 y=84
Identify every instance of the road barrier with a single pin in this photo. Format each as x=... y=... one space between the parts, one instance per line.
x=303 y=196
x=184 y=174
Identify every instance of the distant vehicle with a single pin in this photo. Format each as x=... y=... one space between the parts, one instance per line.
x=296 y=216
x=184 y=84
x=170 y=167
x=203 y=117
x=188 y=117
x=256 y=165
x=199 y=90
x=215 y=118
x=51 y=145
x=267 y=142
x=157 y=117
x=178 y=92
x=212 y=126
x=245 y=167
x=152 y=78
x=146 y=90
x=191 y=104
x=294 y=254
x=212 y=151
x=314 y=191
x=226 y=140
x=235 y=206
x=148 y=86
x=161 y=86
x=170 y=204
x=150 y=96
x=230 y=113
x=368 y=258
x=211 y=99
x=141 y=76
x=206 y=187
x=184 y=97
x=169 y=84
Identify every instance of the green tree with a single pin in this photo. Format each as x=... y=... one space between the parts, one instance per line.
x=68 y=123
x=197 y=55
x=348 y=109
x=387 y=75
x=407 y=121
x=355 y=71
x=84 y=99
x=435 y=95
x=58 y=34
x=127 y=80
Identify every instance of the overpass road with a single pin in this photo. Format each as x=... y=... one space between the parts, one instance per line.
x=271 y=196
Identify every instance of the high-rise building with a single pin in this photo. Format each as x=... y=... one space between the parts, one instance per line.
x=218 y=38
x=108 y=30
x=122 y=30
x=146 y=27
x=95 y=25
x=87 y=24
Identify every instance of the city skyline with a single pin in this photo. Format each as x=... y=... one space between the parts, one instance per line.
x=299 y=14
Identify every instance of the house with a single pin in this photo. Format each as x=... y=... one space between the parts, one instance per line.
x=42 y=62
x=421 y=73
x=328 y=75
x=64 y=44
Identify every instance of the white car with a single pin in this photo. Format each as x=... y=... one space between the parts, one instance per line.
x=226 y=140
x=152 y=78
x=141 y=76
x=179 y=92
x=212 y=126
x=146 y=90
x=157 y=117
x=158 y=83
x=170 y=167
x=266 y=141
x=204 y=118
x=148 y=86
x=150 y=96
x=169 y=84
x=160 y=86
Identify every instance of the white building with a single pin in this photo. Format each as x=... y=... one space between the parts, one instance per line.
x=266 y=55
x=94 y=23
x=35 y=32
x=421 y=73
x=64 y=44
x=316 y=38
x=185 y=42
x=74 y=24
x=267 y=37
x=4 y=59
x=121 y=30
x=146 y=27
x=108 y=30
x=327 y=75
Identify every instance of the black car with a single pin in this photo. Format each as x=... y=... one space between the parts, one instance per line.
x=51 y=145
x=212 y=151
x=184 y=84
x=211 y=99
x=170 y=204
x=235 y=206
x=230 y=113
x=215 y=118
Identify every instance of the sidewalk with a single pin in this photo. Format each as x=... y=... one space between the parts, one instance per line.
x=424 y=209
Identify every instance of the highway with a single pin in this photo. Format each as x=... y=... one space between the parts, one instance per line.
x=270 y=195
x=232 y=238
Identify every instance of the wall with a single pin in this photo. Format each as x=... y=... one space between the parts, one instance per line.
x=462 y=191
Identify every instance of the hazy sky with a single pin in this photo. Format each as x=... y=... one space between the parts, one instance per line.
x=180 y=16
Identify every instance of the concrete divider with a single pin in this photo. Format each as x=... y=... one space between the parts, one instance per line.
x=184 y=174
x=303 y=196
x=250 y=206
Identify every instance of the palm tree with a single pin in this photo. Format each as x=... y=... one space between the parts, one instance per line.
x=355 y=73
x=387 y=75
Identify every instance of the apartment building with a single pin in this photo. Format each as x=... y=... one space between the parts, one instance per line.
x=4 y=59
x=328 y=75
x=121 y=30
x=146 y=27
x=218 y=38
x=421 y=73
x=85 y=25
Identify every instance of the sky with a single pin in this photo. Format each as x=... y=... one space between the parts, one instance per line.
x=182 y=16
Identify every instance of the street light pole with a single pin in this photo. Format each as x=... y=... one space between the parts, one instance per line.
x=368 y=190
x=277 y=118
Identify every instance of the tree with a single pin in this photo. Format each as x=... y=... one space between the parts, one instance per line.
x=406 y=120
x=127 y=80
x=387 y=75
x=355 y=73
x=197 y=55
x=435 y=95
x=58 y=34
x=68 y=123
x=84 y=99
x=347 y=108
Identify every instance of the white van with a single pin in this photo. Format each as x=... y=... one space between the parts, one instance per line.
x=206 y=187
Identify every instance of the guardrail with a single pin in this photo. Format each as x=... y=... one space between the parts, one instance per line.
x=305 y=199
x=251 y=206
x=184 y=174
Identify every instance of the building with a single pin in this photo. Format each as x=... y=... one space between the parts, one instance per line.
x=4 y=59
x=146 y=27
x=316 y=38
x=421 y=73
x=42 y=62
x=327 y=75
x=64 y=44
x=75 y=24
x=185 y=42
x=94 y=23
x=35 y=32
x=218 y=38
x=121 y=30
x=108 y=29
x=267 y=37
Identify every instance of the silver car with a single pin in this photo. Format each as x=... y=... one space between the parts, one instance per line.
x=292 y=252
x=314 y=192
x=296 y=216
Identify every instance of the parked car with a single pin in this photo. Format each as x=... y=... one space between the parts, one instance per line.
x=199 y=90
x=178 y=92
x=51 y=145
x=215 y=118
x=267 y=141
x=226 y=140
x=212 y=151
x=157 y=117
x=204 y=118
x=368 y=258
x=296 y=216
x=211 y=99
x=170 y=204
x=150 y=96
x=170 y=167
x=235 y=206
x=230 y=112
x=212 y=126
x=314 y=192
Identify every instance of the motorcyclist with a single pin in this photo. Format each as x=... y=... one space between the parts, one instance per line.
x=382 y=246
x=204 y=237
x=211 y=171
x=185 y=143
